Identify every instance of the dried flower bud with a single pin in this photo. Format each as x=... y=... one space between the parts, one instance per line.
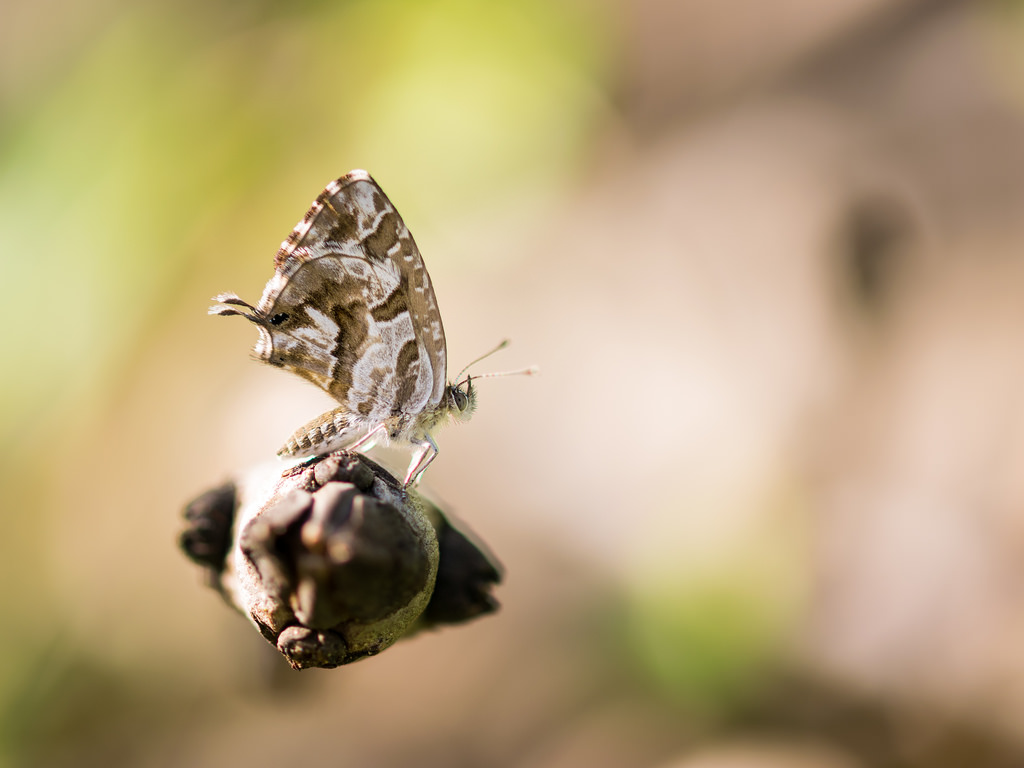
x=333 y=560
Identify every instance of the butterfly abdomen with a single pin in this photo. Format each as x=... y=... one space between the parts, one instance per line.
x=328 y=432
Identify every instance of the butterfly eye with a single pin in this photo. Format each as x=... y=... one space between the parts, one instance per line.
x=279 y=318
x=461 y=401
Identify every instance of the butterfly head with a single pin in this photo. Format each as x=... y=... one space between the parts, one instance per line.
x=461 y=399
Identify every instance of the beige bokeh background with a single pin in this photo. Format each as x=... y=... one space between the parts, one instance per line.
x=764 y=506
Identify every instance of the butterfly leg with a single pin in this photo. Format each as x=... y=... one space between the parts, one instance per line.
x=369 y=439
x=421 y=460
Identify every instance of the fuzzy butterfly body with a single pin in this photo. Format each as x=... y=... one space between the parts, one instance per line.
x=351 y=308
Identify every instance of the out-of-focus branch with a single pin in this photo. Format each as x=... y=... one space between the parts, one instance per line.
x=333 y=561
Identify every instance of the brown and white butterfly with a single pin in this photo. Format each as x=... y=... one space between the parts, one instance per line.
x=351 y=308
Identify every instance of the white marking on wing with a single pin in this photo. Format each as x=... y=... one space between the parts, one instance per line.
x=381 y=356
x=325 y=324
x=313 y=337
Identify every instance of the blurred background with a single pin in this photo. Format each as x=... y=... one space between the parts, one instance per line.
x=764 y=506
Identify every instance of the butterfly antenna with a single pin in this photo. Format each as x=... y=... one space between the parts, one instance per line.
x=521 y=372
x=501 y=346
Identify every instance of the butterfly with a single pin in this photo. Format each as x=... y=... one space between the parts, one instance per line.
x=351 y=308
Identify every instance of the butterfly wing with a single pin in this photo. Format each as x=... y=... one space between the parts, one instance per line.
x=351 y=308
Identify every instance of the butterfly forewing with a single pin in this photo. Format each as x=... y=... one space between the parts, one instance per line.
x=351 y=307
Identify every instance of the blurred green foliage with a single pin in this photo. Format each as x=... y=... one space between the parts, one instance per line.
x=705 y=647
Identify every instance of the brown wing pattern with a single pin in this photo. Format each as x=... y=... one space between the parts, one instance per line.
x=351 y=306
